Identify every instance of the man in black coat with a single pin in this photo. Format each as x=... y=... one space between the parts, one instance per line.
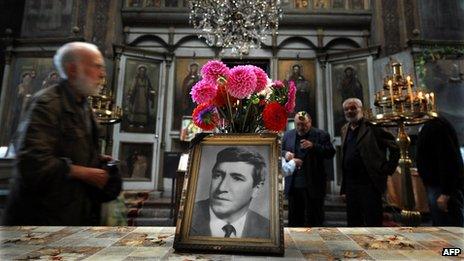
x=370 y=154
x=306 y=187
x=237 y=177
x=440 y=166
x=60 y=177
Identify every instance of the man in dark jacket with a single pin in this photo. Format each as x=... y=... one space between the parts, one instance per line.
x=440 y=166
x=365 y=166
x=305 y=188
x=60 y=179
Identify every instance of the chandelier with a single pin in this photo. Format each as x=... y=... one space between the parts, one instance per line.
x=237 y=24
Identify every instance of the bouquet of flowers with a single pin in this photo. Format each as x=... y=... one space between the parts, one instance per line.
x=240 y=100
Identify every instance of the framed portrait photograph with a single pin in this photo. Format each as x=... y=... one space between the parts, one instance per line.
x=349 y=80
x=136 y=161
x=140 y=95
x=231 y=202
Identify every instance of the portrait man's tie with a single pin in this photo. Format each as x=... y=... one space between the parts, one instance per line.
x=228 y=230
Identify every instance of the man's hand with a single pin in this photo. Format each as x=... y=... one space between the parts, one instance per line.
x=289 y=155
x=93 y=176
x=298 y=162
x=105 y=158
x=442 y=202
x=306 y=144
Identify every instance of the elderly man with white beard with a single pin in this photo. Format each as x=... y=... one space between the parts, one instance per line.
x=369 y=155
x=60 y=177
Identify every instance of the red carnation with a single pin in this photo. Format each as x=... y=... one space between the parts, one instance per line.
x=274 y=117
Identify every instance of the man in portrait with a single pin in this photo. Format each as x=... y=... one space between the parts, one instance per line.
x=140 y=99
x=302 y=101
x=191 y=79
x=237 y=178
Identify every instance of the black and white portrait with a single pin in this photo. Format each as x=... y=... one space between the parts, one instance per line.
x=232 y=198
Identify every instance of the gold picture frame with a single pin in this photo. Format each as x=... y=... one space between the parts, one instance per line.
x=232 y=179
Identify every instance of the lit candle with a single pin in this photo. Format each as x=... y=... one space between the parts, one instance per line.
x=420 y=96
x=427 y=99
x=390 y=85
x=432 y=97
x=408 y=79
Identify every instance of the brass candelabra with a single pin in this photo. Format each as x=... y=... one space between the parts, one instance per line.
x=400 y=104
x=104 y=109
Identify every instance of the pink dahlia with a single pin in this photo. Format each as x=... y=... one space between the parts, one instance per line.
x=205 y=116
x=241 y=81
x=261 y=78
x=290 y=105
x=278 y=84
x=213 y=69
x=203 y=91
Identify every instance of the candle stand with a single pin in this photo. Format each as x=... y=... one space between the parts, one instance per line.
x=398 y=105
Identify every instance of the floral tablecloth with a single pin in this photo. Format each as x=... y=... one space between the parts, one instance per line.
x=155 y=243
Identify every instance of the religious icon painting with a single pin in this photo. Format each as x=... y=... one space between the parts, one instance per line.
x=302 y=72
x=301 y=4
x=50 y=18
x=135 y=161
x=358 y=4
x=338 y=4
x=321 y=4
x=28 y=76
x=349 y=80
x=231 y=201
x=189 y=129
x=140 y=96
x=187 y=75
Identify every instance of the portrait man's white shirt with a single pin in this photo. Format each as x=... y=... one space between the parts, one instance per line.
x=217 y=224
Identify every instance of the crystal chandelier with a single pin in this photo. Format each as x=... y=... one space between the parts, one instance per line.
x=238 y=24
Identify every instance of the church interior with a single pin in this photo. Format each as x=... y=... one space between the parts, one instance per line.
x=331 y=50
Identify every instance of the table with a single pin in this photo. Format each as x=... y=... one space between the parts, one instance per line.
x=155 y=243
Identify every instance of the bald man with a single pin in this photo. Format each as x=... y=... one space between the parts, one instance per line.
x=59 y=178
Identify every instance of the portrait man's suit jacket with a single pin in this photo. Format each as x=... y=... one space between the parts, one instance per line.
x=373 y=143
x=313 y=162
x=256 y=226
